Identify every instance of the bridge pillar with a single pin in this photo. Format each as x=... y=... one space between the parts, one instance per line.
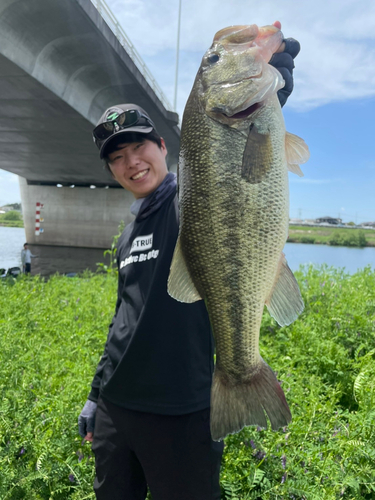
x=69 y=228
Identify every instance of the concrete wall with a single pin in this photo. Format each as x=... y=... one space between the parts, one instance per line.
x=63 y=260
x=76 y=217
x=78 y=225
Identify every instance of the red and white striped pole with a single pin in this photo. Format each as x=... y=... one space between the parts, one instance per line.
x=39 y=206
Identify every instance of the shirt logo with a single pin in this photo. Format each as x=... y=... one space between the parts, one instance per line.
x=142 y=243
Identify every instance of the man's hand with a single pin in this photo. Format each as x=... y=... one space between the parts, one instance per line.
x=283 y=61
x=86 y=420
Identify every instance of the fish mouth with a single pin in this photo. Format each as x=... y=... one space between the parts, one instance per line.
x=245 y=113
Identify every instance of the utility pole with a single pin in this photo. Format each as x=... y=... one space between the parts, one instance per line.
x=177 y=56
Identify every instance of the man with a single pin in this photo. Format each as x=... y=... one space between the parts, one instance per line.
x=149 y=407
x=26 y=256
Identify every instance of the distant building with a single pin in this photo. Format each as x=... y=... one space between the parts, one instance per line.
x=8 y=208
x=328 y=220
x=367 y=224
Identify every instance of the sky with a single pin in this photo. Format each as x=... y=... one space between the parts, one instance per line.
x=332 y=106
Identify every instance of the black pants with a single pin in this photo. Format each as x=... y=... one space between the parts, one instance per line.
x=174 y=455
x=27 y=268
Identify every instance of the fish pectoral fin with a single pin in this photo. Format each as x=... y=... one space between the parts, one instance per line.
x=256 y=157
x=285 y=302
x=296 y=152
x=180 y=284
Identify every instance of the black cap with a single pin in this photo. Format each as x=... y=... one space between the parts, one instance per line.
x=120 y=108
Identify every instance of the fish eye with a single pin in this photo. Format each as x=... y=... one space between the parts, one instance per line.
x=213 y=58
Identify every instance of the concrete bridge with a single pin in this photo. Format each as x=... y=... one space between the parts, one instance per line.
x=62 y=63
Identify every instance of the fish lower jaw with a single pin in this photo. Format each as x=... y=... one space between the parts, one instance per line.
x=248 y=111
x=239 y=115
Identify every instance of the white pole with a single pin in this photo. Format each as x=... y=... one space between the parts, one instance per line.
x=177 y=56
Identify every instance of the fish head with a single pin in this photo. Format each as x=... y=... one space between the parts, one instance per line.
x=235 y=78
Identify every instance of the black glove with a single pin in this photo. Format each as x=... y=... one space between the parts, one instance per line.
x=283 y=62
x=86 y=420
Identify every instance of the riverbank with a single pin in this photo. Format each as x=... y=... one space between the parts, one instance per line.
x=11 y=223
x=324 y=363
x=335 y=236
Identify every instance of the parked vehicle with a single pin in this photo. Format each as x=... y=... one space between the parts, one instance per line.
x=11 y=272
x=14 y=271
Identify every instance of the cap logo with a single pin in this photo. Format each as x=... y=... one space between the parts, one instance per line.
x=112 y=116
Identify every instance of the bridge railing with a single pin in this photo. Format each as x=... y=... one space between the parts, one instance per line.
x=118 y=31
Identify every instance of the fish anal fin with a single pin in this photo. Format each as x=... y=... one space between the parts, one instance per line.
x=256 y=157
x=296 y=152
x=180 y=284
x=285 y=302
x=236 y=405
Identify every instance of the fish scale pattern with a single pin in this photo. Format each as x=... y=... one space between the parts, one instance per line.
x=232 y=234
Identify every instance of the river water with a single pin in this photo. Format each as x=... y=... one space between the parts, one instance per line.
x=352 y=259
x=11 y=244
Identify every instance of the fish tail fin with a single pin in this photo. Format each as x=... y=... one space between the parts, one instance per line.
x=236 y=405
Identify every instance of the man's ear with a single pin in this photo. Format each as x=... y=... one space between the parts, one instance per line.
x=163 y=146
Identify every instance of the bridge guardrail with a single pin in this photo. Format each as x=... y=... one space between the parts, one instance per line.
x=120 y=34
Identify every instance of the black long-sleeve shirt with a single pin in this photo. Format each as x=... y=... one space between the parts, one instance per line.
x=159 y=353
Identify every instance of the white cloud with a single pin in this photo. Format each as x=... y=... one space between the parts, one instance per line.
x=336 y=63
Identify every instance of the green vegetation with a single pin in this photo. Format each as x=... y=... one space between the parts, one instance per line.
x=332 y=236
x=52 y=334
x=12 y=218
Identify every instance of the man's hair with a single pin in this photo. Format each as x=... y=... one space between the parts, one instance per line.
x=127 y=138
x=25 y=244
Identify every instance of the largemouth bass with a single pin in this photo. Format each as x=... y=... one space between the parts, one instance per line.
x=233 y=195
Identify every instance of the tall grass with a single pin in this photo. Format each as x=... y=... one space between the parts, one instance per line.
x=52 y=335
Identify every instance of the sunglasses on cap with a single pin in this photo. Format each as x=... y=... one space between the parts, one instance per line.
x=130 y=118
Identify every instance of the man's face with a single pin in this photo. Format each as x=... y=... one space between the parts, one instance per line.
x=139 y=167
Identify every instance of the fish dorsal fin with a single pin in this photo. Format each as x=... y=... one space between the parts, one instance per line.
x=180 y=284
x=285 y=303
x=256 y=157
x=297 y=152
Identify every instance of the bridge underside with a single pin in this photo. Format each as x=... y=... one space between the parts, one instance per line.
x=60 y=68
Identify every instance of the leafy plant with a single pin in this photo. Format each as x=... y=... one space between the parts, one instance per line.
x=111 y=268
x=349 y=239
x=52 y=334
